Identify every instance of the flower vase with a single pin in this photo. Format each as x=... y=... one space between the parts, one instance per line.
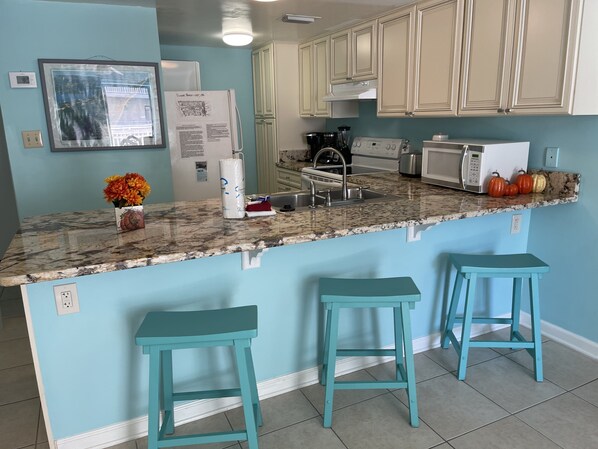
x=129 y=218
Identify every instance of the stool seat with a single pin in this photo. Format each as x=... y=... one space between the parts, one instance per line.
x=470 y=267
x=398 y=293
x=162 y=328
x=381 y=290
x=162 y=332
x=493 y=265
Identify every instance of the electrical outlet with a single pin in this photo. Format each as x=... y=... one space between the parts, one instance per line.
x=552 y=157
x=67 y=299
x=516 y=223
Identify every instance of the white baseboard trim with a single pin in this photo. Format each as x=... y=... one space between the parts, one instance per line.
x=137 y=428
x=565 y=337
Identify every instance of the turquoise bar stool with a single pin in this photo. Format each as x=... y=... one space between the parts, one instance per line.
x=474 y=267
x=162 y=332
x=400 y=294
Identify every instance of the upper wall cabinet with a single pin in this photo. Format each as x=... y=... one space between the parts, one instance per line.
x=263 y=86
x=420 y=54
x=314 y=81
x=353 y=54
x=529 y=57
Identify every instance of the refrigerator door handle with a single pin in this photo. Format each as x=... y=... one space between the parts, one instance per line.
x=240 y=127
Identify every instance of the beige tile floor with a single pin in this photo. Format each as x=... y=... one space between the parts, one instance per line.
x=498 y=406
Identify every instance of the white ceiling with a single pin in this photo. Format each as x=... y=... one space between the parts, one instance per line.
x=201 y=22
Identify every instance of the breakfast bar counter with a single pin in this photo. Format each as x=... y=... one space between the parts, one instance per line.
x=72 y=244
x=169 y=265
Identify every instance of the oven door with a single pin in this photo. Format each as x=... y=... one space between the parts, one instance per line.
x=321 y=179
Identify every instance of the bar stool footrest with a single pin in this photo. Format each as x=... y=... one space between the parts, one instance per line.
x=207 y=394
x=365 y=352
x=369 y=385
x=215 y=437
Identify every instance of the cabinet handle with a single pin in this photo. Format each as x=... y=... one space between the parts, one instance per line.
x=508 y=111
x=500 y=110
x=348 y=78
x=409 y=114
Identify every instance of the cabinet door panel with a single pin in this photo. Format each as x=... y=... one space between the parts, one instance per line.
x=542 y=36
x=396 y=62
x=306 y=87
x=258 y=89
x=262 y=157
x=438 y=54
x=267 y=64
x=340 y=57
x=270 y=132
x=321 y=77
x=364 y=51
x=487 y=51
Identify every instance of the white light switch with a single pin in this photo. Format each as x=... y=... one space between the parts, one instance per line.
x=32 y=139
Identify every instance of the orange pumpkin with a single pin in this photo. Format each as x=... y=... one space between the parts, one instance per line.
x=496 y=186
x=524 y=182
x=511 y=190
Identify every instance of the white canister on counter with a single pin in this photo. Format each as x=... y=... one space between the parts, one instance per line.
x=440 y=137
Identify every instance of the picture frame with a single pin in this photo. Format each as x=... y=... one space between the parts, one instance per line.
x=102 y=105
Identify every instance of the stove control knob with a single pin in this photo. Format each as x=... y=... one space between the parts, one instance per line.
x=393 y=147
x=388 y=146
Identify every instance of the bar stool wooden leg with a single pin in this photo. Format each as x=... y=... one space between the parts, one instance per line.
x=450 y=322
x=326 y=345
x=255 y=398
x=167 y=401
x=536 y=336
x=246 y=393
x=516 y=308
x=154 y=398
x=331 y=364
x=398 y=322
x=466 y=329
x=409 y=365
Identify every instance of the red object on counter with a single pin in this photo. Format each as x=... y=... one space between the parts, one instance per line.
x=259 y=207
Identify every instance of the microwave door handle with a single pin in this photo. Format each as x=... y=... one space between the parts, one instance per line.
x=461 y=170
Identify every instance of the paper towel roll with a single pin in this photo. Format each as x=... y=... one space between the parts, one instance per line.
x=232 y=184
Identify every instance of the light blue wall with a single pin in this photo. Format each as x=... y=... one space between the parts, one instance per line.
x=111 y=373
x=566 y=237
x=9 y=217
x=50 y=182
x=227 y=68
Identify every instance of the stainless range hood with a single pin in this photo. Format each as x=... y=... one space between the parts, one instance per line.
x=361 y=90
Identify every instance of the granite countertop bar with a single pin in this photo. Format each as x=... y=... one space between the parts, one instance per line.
x=67 y=245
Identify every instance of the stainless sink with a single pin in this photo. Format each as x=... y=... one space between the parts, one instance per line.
x=289 y=201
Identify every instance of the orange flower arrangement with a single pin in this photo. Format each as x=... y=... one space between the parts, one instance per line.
x=128 y=190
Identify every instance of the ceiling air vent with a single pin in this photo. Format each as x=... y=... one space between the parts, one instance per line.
x=299 y=18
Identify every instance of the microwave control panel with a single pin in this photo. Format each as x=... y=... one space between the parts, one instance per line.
x=474 y=166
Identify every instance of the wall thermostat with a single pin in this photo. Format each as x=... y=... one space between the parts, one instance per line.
x=22 y=80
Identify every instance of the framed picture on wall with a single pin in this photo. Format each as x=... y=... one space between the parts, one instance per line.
x=102 y=105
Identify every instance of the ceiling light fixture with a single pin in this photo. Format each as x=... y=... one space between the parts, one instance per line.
x=299 y=18
x=237 y=39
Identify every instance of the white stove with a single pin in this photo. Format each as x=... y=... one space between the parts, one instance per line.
x=369 y=155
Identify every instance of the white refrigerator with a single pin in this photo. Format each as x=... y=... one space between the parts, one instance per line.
x=202 y=129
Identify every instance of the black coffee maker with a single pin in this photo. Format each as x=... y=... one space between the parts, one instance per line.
x=315 y=140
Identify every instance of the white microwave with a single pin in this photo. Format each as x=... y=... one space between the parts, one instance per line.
x=469 y=164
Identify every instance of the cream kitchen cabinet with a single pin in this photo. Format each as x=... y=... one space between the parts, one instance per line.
x=314 y=83
x=353 y=53
x=288 y=179
x=267 y=154
x=530 y=57
x=263 y=81
x=277 y=121
x=420 y=54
